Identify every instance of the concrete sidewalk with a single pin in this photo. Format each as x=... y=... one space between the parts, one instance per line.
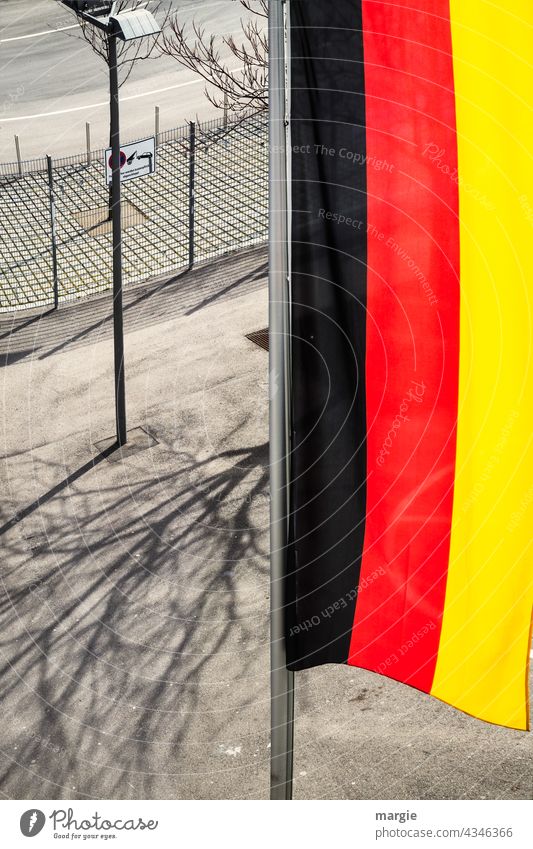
x=134 y=610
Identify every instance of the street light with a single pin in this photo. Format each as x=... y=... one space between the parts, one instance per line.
x=126 y=26
x=93 y=7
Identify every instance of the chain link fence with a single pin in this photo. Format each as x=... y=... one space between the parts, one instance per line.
x=207 y=196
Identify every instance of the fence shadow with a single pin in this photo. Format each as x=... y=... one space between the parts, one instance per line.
x=52 y=332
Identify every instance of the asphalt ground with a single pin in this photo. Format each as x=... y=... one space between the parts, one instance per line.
x=51 y=83
x=134 y=610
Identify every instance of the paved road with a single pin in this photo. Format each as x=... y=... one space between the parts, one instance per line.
x=51 y=83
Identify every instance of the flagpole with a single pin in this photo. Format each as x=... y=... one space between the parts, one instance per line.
x=281 y=680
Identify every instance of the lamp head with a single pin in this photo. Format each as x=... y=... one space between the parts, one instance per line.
x=95 y=8
x=135 y=23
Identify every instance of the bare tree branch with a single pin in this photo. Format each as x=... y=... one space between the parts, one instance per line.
x=237 y=90
x=128 y=52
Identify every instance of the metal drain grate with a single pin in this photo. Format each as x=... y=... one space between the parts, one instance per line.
x=259 y=337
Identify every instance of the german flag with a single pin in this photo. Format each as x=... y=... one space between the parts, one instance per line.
x=411 y=128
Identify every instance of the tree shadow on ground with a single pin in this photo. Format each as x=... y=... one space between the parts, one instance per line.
x=127 y=639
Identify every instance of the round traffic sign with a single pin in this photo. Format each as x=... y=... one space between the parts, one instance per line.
x=123 y=159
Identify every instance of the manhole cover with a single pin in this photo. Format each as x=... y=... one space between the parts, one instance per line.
x=259 y=337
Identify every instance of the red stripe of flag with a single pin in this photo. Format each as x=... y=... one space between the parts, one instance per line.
x=412 y=337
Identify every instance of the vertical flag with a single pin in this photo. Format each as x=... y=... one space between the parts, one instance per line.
x=411 y=319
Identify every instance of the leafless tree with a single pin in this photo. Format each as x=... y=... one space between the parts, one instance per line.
x=128 y=52
x=237 y=90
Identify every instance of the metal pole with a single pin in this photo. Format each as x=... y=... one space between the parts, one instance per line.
x=19 y=158
x=88 y=141
x=118 y=328
x=53 y=229
x=281 y=680
x=192 y=176
x=156 y=120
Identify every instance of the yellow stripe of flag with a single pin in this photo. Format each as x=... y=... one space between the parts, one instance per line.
x=484 y=646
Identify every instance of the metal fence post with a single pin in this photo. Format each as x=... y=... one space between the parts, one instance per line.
x=192 y=169
x=19 y=158
x=88 y=141
x=181 y=164
x=156 y=127
x=53 y=229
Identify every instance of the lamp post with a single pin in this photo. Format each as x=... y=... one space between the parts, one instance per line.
x=116 y=213
x=126 y=26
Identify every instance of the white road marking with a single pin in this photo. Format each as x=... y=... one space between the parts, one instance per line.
x=51 y=31
x=106 y=102
x=200 y=8
x=73 y=26
x=97 y=105
x=37 y=34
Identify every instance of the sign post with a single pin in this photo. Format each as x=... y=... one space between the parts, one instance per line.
x=126 y=25
x=118 y=318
